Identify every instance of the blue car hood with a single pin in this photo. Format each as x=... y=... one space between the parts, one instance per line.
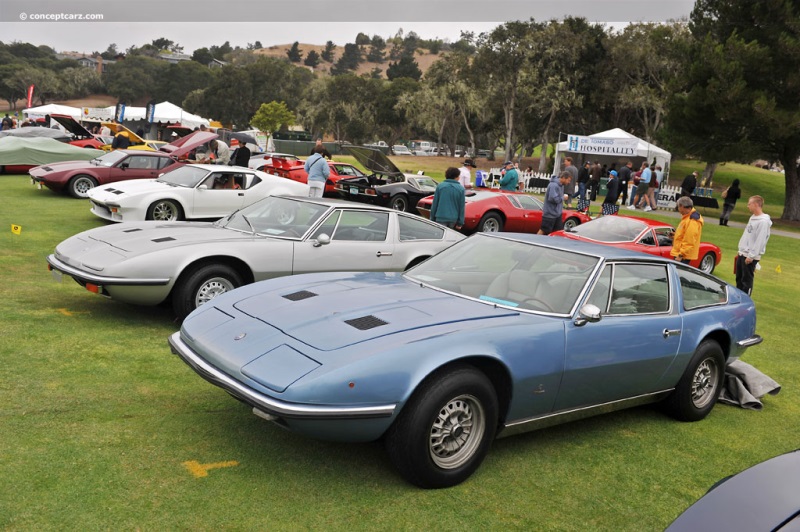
x=329 y=314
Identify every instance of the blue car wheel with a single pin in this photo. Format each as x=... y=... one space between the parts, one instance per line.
x=444 y=432
x=700 y=386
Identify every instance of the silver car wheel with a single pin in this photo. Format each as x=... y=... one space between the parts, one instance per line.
x=708 y=263
x=457 y=432
x=704 y=383
x=165 y=211
x=80 y=186
x=571 y=223
x=211 y=289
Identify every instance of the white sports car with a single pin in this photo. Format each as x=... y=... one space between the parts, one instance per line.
x=194 y=191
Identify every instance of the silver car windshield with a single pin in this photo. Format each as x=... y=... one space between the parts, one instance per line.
x=110 y=159
x=184 y=176
x=611 y=229
x=279 y=217
x=509 y=273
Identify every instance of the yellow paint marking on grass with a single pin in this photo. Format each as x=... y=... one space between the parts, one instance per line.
x=201 y=470
x=66 y=312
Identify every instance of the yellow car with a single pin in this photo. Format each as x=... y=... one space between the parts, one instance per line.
x=137 y=142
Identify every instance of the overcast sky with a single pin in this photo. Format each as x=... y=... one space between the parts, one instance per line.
x=202 y=23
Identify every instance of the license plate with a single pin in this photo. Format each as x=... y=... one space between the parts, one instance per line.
x=353 y=190
x=57 y=275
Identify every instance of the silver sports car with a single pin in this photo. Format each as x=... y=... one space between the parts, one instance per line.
x=146 y=263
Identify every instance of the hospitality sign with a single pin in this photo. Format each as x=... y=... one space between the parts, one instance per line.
x=601 y=145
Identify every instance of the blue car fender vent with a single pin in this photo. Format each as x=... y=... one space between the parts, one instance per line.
x=165 y=239
x=131 y=230
x=365 y=323
x=299 y=296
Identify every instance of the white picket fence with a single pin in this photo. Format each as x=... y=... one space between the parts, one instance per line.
x=492 y=180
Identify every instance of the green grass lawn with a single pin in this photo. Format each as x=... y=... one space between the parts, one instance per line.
x=99 y=421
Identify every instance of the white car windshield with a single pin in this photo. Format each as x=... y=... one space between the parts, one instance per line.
x=506 y=272
x=110 y=159
x=611 y=229
x=279 y=217
x=184 y=176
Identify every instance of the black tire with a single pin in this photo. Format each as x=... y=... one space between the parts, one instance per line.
x=201 y=286
x=445 y=430
x=708 y=262
x=164 y=210
x=700 y=386
x=571 y=223
x=491 y=222
x=399 y=202
x=79 y=186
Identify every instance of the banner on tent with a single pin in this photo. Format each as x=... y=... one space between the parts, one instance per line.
x=602 y=145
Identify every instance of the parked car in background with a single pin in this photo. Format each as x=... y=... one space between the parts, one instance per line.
x=78 y=177
x=81 y=137
x=387 y=185
x=496 y=335
x=189 y=263
x=294 y=169
x=19 y=154
x=490 y=211
x=639 y=234
x=188 y=192
x=399 y=149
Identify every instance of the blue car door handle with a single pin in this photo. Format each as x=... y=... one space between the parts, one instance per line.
x=383 y=254
x=670 y=332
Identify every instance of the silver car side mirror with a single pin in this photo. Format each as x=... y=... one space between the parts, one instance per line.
x=322 y=240
x=587 y=314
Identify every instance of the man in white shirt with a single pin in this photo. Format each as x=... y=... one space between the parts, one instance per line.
x=464 y=174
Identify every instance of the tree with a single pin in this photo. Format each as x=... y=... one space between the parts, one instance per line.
x=390 y=118
x=312 y=59
x=10 y=91
x=48 y=86
x=219 y=52
x=407 y=67
x=203 y=56
x=348 y=61
x=295 y=54
x=111 y=52
x=79 y=82
x=327 y=53
x=181 y=79
x=742 y=85
x=168 y=45
x=362 y=39
x=271 y=116
x=135 y=78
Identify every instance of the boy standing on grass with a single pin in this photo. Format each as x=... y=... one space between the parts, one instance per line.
x=753 y=244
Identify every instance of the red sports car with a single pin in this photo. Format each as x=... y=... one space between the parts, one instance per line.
x=77 y=177
x=640 y=234
x=491 y=211
x=295 y=170
x=82 y=137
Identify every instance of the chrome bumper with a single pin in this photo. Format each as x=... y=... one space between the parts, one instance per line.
x=75 y=273
x=269 y=404
x=750 y=342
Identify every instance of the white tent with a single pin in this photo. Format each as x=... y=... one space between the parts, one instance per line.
x=52 y=109
x=165 y=112
x=643 y=151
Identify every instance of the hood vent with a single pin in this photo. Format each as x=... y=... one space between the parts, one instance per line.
x=131 y=230
x=165 y=239
x=299 y=296
x=365 y=323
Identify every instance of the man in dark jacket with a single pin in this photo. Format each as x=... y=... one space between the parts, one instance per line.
x=689 y=184
x=449 y=200
x=624 y=178
x=610 y=203
x=553 y=207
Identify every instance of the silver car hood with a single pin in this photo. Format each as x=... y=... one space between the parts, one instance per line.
x=329 y=315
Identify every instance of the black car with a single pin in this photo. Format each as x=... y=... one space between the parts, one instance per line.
x=386 y=186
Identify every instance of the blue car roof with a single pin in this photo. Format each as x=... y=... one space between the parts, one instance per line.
x=590 y=248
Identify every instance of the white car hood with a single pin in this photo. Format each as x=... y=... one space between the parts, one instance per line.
x=115 y=192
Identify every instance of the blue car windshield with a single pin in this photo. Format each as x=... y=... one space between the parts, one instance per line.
x=184 y=176
x=506 y=272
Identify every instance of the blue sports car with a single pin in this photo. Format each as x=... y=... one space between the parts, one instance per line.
x=496 y=335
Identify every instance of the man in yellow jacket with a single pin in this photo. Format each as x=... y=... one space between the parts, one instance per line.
x=686 y=242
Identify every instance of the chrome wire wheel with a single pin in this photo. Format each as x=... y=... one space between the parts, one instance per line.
x=708 y=263
x=211 y=289
x=457 y=431
x=704 y=383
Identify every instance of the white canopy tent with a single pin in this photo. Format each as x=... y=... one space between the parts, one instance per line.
x=52 y=109
x=165 y=112
x=641 y=151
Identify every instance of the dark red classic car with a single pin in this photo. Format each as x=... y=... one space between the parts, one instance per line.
x=639 y=234
x=490 y=211
x=77 y=177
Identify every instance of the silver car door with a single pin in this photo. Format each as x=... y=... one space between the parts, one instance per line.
x=360 y=240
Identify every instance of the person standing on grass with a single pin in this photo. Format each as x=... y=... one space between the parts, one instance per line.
x=753 y=244
x=554 y=199
x=686 y=240
x=318 y=172
x=449 y=201
x=610 y=203
x=624 y=177
x=510 y=179
x=569 y=189
x=729 y=197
